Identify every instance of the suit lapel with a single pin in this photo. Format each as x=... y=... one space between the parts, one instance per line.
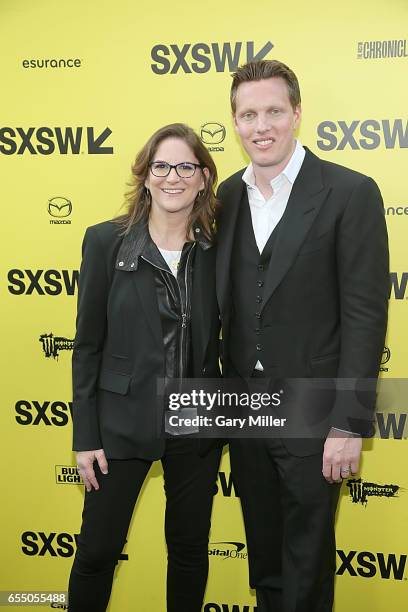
x=225 y=236
x=306 y=198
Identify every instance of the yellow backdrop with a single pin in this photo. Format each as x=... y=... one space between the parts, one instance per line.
x=83 y=86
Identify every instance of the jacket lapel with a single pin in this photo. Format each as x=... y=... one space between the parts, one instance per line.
x=225 y=236
x=306 y=198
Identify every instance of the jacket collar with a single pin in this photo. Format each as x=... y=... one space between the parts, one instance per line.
x=138 y=242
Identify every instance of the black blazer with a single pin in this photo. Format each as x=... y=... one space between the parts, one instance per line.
x=327 y=286
x=118 y=350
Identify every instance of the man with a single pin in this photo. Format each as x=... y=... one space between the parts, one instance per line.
x=303 y=292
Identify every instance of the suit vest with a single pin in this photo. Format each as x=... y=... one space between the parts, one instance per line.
x=248 y=272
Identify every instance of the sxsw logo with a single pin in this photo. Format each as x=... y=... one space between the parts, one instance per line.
x=391 y=425
x=41 y=544
x=398 y=288
x=368 y=564
x=42 y=282
x=49 y=140
x=368 y=134
x=33 y=412
x=225 y=485
x=203 y=57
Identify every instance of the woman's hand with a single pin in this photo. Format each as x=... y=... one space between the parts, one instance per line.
x=85 y=461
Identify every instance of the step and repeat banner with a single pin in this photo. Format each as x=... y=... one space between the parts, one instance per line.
x=84 y=84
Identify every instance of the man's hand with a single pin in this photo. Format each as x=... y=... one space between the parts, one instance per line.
x=341 y=455
x=85 y=461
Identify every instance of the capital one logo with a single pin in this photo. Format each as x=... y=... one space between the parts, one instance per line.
x=203 y=57
x=49 y=140
x=368 y=134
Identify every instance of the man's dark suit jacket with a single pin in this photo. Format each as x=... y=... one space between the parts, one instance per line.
x=327 y=286
x=118 y=351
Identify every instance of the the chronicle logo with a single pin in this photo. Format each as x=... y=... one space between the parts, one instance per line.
x=33 y=412
x=398 y=285
x=202 y=57
x=52 y=345
x=386 y=356
x=42 y=282
x=360 y=491
x=382 y=49
x=59 y=208
x=67 y=474
x=368 y=134
x=213 y=134
x=227 y=607
x=54 y=544
x=48 y=140
x=367 y=564
x=227 y=550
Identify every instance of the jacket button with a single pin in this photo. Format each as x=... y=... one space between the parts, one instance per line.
x=260 y=283
x=257 y=330
x=258 y=299
x=132 y=265
x=260 y=268
x=258 y=315
x=121 y=263
x=203 y=371
x=259 y=347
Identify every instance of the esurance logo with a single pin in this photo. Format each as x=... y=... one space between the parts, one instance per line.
x=203 y=57
x=381 y=49
x=49 y=140
x=367 y=564
x=368 y=134
x=42 y=282
x=227 y=550
x=52 y=345
x=360 y=491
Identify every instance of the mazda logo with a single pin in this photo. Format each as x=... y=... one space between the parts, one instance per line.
x=212 y=133
x=59 y=207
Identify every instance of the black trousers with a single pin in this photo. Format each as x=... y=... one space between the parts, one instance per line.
x=189 y=483
x=289 y=512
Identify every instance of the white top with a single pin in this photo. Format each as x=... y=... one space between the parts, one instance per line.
x=172 y=259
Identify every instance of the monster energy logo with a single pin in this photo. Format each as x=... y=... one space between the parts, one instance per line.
x=53 y=344
x=360 y=491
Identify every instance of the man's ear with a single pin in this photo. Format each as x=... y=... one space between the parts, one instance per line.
x=297 y=116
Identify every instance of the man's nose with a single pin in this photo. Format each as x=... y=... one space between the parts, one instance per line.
x=263 y=124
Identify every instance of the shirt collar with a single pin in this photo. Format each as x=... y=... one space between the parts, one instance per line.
x=290 y=171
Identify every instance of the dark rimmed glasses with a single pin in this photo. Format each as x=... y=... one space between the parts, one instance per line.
x=163 y=169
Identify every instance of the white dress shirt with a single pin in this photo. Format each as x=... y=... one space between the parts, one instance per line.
x=266 y=214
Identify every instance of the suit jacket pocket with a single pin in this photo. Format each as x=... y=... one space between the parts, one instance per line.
x=325 y=366
x=114 y=382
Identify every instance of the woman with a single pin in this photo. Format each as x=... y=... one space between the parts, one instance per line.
x=146 y=310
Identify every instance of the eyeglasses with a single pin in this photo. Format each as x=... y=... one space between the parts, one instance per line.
x=184 y=169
